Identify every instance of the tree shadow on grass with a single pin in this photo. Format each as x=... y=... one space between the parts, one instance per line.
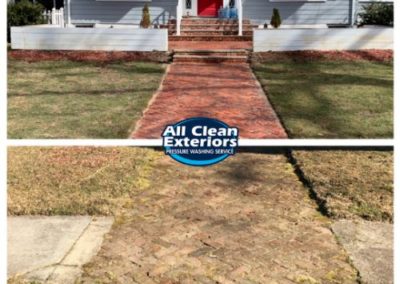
x=103 y=92
x=59 y=68
x=284 y=84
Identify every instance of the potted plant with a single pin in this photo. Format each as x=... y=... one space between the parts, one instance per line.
x=276 y=18
x=145 y=22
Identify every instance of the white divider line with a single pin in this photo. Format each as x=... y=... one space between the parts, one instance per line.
x=242 y=142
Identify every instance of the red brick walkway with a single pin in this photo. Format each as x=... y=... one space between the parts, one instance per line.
x=228 y=92
x=206 y=45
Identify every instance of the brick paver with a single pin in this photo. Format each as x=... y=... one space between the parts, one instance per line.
x=247 y=220
x=210 y=45
x=228 y=92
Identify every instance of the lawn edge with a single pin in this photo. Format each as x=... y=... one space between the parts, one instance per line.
x=264 y=93
x=157 y=93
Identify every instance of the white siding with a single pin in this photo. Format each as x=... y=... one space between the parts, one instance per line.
x=46 y=38
x=322 y=39
x=299 y=12
x=121 y=12
x=259 y=11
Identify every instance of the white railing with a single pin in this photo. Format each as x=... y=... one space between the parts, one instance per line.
x=55 y=17
x=179 y=12
x=322 y=39
x=71 y=38
x=240 y=16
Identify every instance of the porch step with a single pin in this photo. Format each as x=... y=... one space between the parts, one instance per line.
x=201 y=26
x=209 y=29
x=210 y=59
x=211 y=56
x=212 y=52
x=214 y=32
x=210 y=38
x=211 y=21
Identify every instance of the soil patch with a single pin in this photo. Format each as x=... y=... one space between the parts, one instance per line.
x=91 y=56
x=310 y=55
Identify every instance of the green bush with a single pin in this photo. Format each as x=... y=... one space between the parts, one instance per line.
x=24 y=13
x=276 y=18
x=377 y=14
x=145 y=22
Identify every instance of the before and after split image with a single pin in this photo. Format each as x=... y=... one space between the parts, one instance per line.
x=182 y=89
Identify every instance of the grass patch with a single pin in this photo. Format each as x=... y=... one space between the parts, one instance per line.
x=330 y=99
x=66 y=99
x=352 y=183
x=76 y=180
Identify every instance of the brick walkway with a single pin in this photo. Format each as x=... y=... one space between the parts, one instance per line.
x=228 y=92
x=207 y=45
x=247 y=220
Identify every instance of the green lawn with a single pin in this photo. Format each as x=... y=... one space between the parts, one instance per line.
x=330 y=99
x=65 y=99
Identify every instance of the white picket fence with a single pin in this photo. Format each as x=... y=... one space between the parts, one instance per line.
x=55 y=17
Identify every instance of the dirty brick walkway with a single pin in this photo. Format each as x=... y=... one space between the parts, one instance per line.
x=248 y=220
x=228 y=92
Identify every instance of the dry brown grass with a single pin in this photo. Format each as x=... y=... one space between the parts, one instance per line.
x=352 y=183
x=76 y=180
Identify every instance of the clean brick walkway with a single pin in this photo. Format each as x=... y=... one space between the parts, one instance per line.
x=228 y=92
x=207 y=45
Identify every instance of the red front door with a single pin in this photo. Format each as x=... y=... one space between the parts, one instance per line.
x=209 y=8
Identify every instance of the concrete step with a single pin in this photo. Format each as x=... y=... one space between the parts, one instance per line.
x=210 y=38
x=210 y=59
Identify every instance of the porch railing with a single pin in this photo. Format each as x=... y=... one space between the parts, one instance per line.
x=55 y=17
x=240 y=16
x=179 y=12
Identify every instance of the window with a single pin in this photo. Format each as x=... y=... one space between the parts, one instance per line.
x=232 y=3
x=188 y=4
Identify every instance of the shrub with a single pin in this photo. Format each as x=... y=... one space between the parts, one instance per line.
x=276 y=18
x=145 y=22
x=24 y=13
x=377 y=14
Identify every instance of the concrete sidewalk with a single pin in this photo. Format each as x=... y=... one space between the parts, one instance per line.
x=370 y=247
x=53 y=249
